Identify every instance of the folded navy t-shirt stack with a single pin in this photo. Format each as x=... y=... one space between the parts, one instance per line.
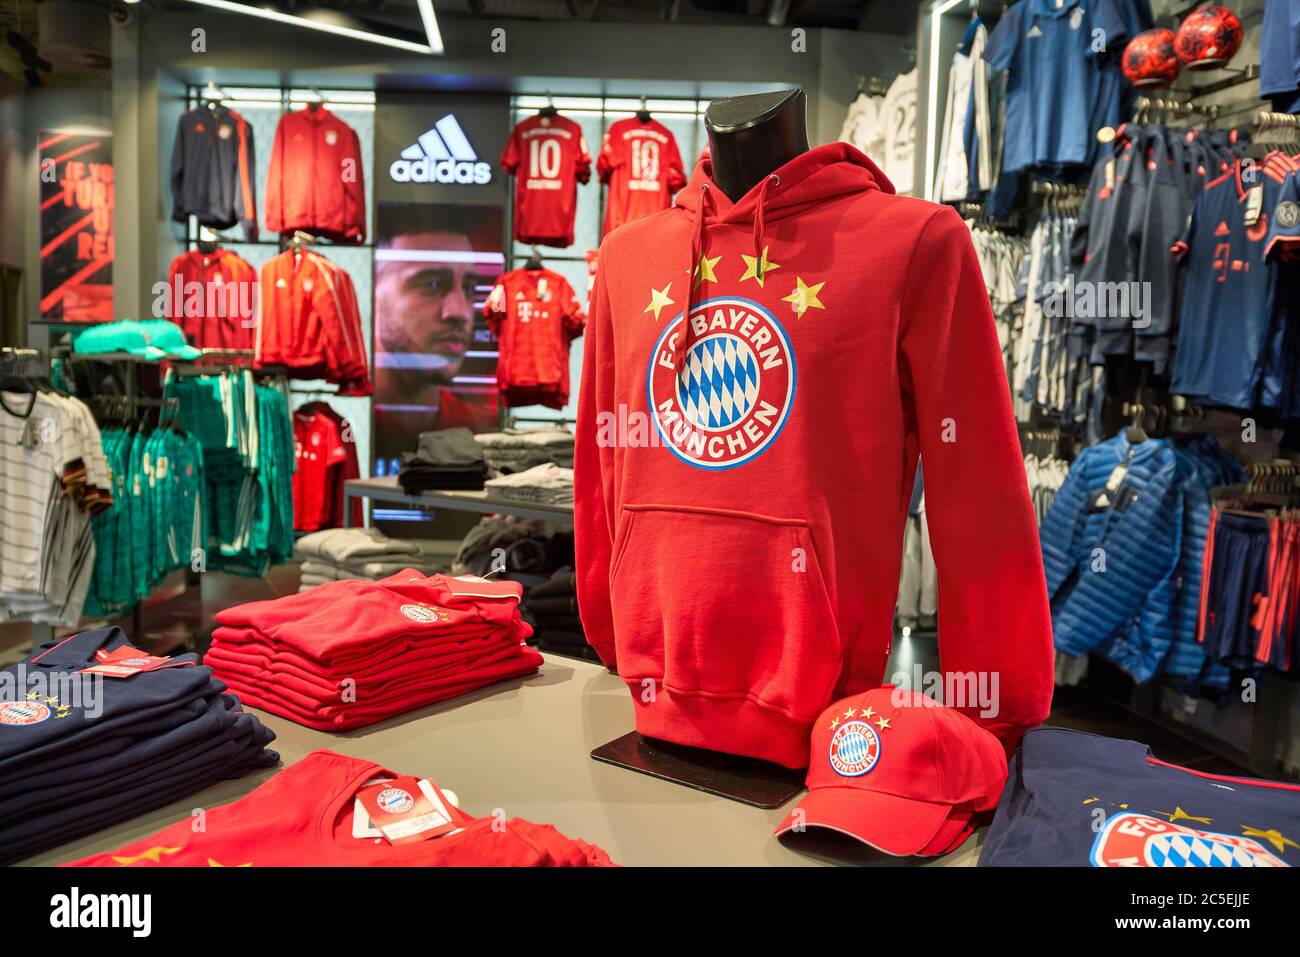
x=80 y=752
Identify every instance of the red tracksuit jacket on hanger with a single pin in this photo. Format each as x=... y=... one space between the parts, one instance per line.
x=211 y=296
x=315 y=182
x=758 y=381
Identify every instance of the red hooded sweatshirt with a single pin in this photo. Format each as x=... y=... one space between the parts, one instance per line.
x=742 y=481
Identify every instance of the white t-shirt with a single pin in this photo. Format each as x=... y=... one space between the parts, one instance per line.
x=898 y=117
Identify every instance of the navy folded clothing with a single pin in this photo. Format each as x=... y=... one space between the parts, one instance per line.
x=79 y=752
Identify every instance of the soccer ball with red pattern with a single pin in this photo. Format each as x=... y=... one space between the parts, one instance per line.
x=1208 y=38
x=1150 y=60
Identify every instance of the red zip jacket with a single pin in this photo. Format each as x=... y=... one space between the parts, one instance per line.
x=315 y=182
x=212 y=297
x=310 y=321
x=641 y=163
x=534 y=314
x=742 y=480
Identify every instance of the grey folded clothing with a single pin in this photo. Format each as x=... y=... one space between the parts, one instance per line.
x=524 y=438
x=549 y=484
x=517 y=450
x=341 y=546
x=449 y=448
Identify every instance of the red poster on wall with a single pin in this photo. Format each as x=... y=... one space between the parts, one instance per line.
x=76 y=173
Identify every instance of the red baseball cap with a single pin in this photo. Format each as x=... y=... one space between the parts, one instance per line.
x=900 y=772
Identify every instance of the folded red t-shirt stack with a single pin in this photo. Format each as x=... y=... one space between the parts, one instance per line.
x=350 y=653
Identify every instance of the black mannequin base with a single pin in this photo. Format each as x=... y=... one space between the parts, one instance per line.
x=756 y=783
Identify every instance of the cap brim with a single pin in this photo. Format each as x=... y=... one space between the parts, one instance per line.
x=185 y=352
x=895 y=825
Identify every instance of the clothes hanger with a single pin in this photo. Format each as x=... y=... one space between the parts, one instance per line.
x=643 y=114
x=535 y=260
x=549 y=109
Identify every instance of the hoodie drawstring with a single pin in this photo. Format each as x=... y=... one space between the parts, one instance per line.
x=697 y=250
x=697 y=253
x=760 y=214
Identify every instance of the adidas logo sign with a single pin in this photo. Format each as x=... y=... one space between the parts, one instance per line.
x=442 y=155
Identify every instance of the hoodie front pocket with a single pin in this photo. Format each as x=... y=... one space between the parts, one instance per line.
x=724 y=604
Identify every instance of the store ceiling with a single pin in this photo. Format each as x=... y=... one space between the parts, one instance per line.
x=26 y=61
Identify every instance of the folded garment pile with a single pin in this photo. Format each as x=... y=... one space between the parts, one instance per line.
x=552 y=607
x=318 y=813
x=340 y=554
x=517 y=450
x=95 y=732
x=541 y=484
x=448 y=459
x=513 y=545
x=350 y=653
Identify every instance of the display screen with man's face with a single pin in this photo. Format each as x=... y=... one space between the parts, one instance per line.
x=435 y=361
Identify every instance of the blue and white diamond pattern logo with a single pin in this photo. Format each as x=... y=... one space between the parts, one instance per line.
x=726 y=399
x=1185 y=850
x=719 y=383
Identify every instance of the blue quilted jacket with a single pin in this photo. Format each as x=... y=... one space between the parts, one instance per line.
x=1112 y=566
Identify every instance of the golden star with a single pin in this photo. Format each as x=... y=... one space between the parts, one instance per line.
x=1272 y=835
x=33 y=695
x=704 y=270
x=51 y=700
x=757 y=267
x=835 y=724
x=658 y=299
x=1178 y=814
x=1091 y=800
x=215 y=863
x=152 y=855
x=882 y=724
x=869 y=713
x=804 y=296
x=63 y=714
x=850 y=713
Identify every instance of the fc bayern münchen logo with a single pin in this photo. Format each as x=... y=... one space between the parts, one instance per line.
x=733 y=393
x=855 y=749
x=395 y=801
x=23 y=712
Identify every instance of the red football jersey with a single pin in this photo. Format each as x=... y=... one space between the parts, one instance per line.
x=303 y=817
x=534 y=314
x=212 y=297
x=548 y=157
x=315 y=180
x=326 y=454
x=643 y=168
